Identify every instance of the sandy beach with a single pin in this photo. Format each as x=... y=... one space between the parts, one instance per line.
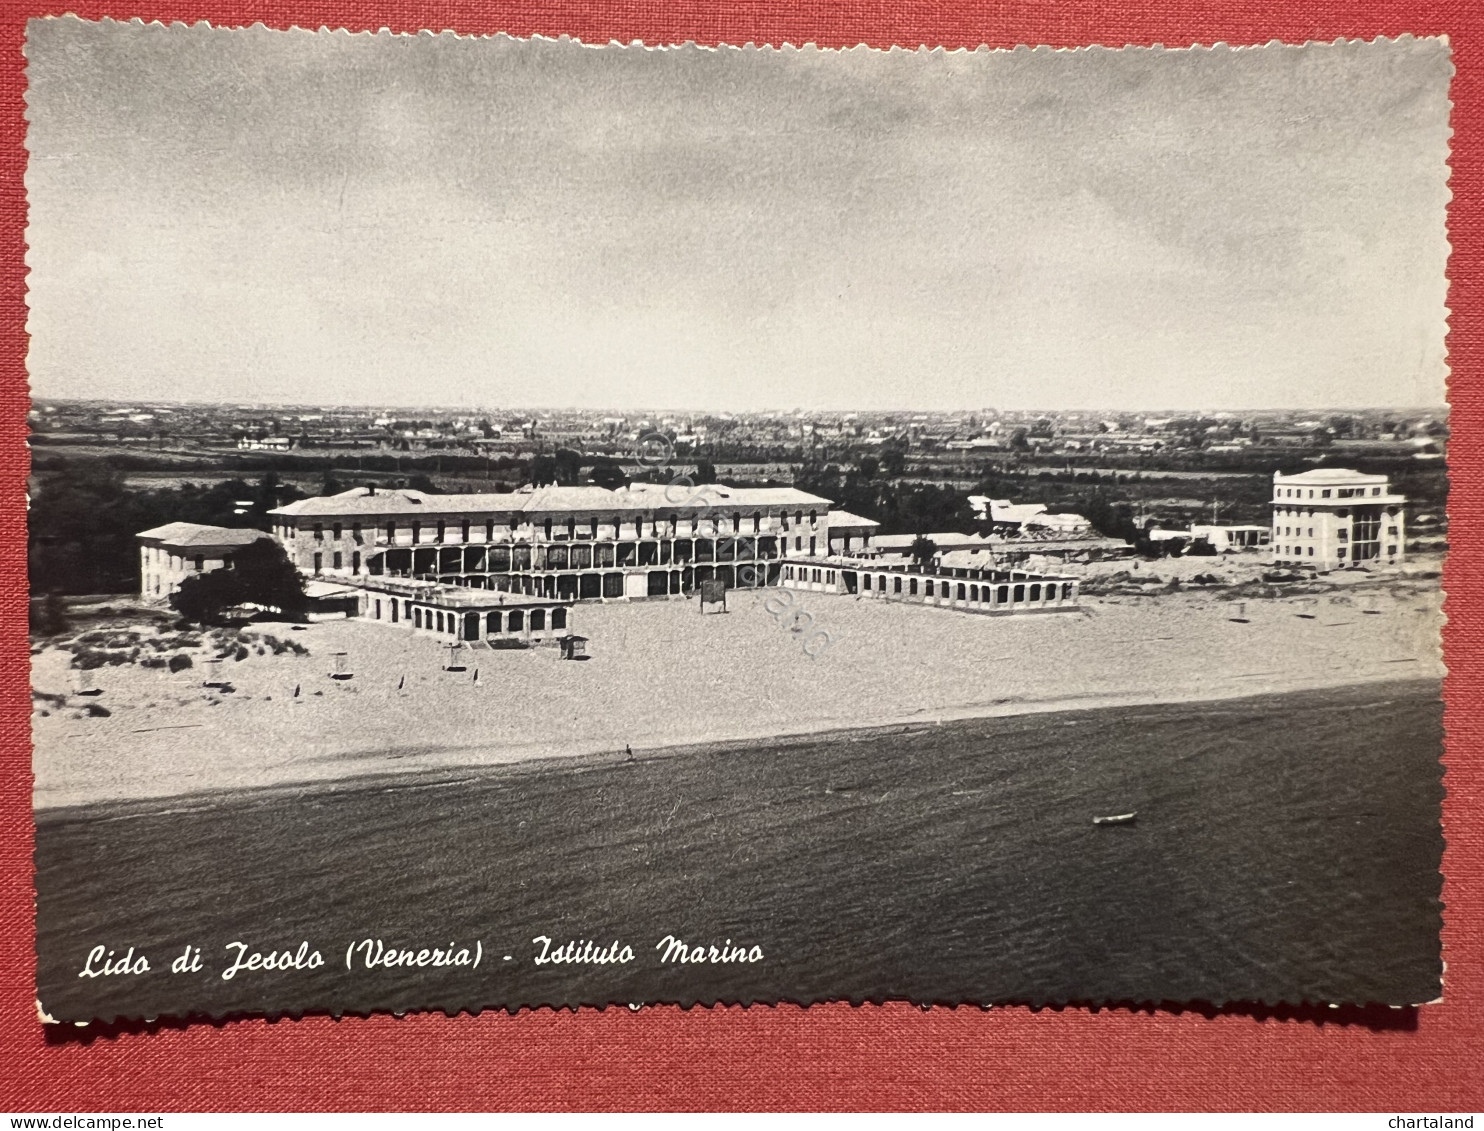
x=662 y=675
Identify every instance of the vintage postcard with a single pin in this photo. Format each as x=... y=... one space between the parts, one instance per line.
x=529 y=523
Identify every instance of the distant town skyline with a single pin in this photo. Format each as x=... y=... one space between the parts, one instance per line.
x=671 y=410
x=397 y=222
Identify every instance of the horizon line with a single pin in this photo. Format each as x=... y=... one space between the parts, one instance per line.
x=794 y=411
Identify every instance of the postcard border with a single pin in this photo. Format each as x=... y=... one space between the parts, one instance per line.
x=876 y=1057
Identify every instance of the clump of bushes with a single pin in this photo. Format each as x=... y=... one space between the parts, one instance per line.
x=1122 y=583
x=1282 y=575
x=240 y=645
x=281 y=646
x=98 y=711
x=170 y=643
x=170 y=646
x=1252 y=589
x=90 y=658
x=109 y=639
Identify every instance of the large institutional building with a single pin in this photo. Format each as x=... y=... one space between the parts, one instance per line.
x=1330 y=518
x=576 y=543
x=478 y=567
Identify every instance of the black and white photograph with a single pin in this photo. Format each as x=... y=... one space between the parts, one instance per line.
x=523 y=522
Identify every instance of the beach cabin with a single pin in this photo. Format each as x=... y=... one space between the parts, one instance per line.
x=464 y=613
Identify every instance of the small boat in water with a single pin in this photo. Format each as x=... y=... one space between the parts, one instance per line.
x=1119 y=819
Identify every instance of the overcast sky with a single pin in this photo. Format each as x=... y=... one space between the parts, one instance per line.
x=328 y=218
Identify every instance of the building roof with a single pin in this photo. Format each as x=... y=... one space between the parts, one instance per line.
x=1338 y=477
x=662 y=496
x=958 y=559
x=1062 y=545
x=976 y=557
x=982 y=559
x=1328 y=476
x=457 y=596
x=844 y=520
x=320 y=590
x=637 y=497
x=539 y=500
x=942 y=541
x=1003 y=510
x=194 y=534
x=365 y=500
x=1026 y=514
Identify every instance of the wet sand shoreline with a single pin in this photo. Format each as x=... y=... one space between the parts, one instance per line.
x=664 y=679
x=587 y=761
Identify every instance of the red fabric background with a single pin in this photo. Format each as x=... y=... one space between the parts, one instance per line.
x=824 y=1057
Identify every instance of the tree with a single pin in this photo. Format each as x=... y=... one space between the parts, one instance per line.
x=1109 y=520
x=894 y=460
x=1161 y=548
x=1172 y=547
x=269 y=579
x=568 y=467
x=203 y=597
x=81 y=530
x=48 y=615
x=869 y=466
x=256 y=574
x=705 y=472
x=272 y=492
x=924 y=551
x=608 y=473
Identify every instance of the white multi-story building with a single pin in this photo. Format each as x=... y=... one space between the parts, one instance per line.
x=169 y=554
x=571 y=543
x=1331 y=518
